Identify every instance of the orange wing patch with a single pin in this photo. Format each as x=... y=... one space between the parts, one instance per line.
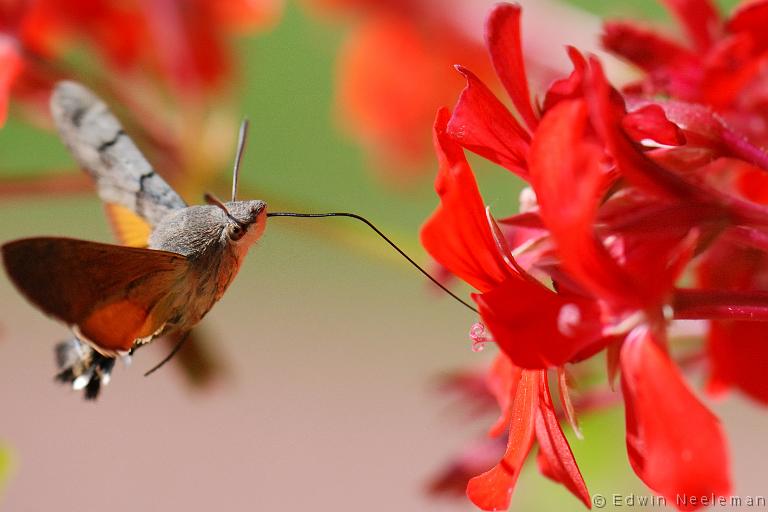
x=112 y=295
x=129 y=228
x=115 y=325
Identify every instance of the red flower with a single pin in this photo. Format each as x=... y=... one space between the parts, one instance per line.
x=530 y=415
x=393 y=72
x=674 y=443
x=185 y=44
x=459 y=236
x=628 y=191
x=722 y=69
x=722 y=66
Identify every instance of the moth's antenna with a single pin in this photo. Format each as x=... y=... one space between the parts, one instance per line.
x=241 y=138
x=167 y=358
x=215 y=201
x=382 y=235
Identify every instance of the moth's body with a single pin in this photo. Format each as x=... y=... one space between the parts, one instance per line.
x=115 y=298
x=200 y=233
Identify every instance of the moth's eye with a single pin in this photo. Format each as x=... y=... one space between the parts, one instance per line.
x=236 y=232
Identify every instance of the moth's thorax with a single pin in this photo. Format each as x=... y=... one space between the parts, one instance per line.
x=204 y=235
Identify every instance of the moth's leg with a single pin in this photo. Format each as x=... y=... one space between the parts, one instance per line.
x=82 y=367
x=182 y=337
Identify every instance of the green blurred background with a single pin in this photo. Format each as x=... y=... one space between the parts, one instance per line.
x=331 y=345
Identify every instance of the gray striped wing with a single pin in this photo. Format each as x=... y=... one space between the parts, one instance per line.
x=99 y=144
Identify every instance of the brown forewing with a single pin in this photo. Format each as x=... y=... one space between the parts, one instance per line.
x=113 y=294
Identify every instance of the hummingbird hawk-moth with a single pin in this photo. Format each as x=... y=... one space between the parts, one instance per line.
x=176 y=260
x=116 y=298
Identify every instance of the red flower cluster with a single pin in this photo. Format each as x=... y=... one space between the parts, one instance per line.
x=629 y=197
x=181 y=43
x=720 y=75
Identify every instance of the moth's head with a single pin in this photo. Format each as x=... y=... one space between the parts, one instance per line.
x=197 y=229
x=246 y=221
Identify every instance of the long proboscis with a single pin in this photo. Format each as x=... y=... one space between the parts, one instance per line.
x=385 y=238
x=215 y=201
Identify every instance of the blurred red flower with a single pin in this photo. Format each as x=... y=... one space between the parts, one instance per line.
x=722 y=64
x=393 y=71
x=164 y=66
x=181 y=44
x=10 y=65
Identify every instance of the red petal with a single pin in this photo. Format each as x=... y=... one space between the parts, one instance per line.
x=502 y=34
x=482 y=124
x=698 y=122
x=567 y=88
x=536 y=327
x=492 y=490
x=649 y=122
x=247 y=15
x=118 y=33
x=452 y=480
x=663 y=254
x=645 y=48
x=751 y=18
x=199 y=55
x=503 y=379
x=10 y=66
x=692 y=117
x=702 y=128
x=457 y=234
x=700 y=20
x=568 y=174
x=738 y=354
x=638 y=215
x=746 y=267
x=607 y=110
x=675 y=444
x=556 y=455
x=732 y=69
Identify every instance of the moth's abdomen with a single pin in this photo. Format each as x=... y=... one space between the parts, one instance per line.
x=83 y=367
